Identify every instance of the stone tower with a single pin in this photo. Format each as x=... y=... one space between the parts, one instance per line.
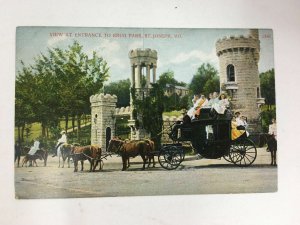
x=239 y=76
x=143 y=64
x=102 y=119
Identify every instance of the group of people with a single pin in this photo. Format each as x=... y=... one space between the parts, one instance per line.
x=218 y=102
x=36 y=145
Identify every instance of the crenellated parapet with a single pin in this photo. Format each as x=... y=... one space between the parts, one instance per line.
x=143 y=56
x=238 y=44
x=103 y=98
x=123 y=111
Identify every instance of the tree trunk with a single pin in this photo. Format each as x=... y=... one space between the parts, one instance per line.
x=66 y=122
x=22 y=133
x=73 y=123
x=19 y=134
x=43 y=130
x=78 y=127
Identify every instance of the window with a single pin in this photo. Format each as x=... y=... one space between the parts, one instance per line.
x=230 y=73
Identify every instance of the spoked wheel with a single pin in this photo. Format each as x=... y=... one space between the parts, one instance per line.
x=170 y=157
x=243 y=152
x=227 y=158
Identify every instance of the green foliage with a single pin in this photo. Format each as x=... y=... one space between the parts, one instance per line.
x=267 y=83
x=267 y=114
x=168 y=78
x=122 y=90
x=58 y=84
x=205 y=80
x=174 y=101
x=151 y=108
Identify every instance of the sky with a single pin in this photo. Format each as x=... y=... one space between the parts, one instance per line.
x=179 y=50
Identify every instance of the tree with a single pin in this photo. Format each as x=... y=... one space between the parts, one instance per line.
x=151 y=108
x=122 y=90
x=267 y=83
x=60 y=83
x=205 y=80
x=172 y=102
x=168 y=78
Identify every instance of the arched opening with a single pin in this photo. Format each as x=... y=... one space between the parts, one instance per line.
x=108 y=136
x=230 y=73
x=257 y=93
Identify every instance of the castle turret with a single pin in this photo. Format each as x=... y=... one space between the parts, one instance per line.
x=102 y=119
x=239 y=76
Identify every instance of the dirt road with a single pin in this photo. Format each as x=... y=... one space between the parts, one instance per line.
x=192 y=177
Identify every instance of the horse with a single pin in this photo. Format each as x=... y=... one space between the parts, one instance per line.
x=271 y=142
x=150 y=154
x=65 y=152
x=130 y=149
x=91 y=153
x=41 y=154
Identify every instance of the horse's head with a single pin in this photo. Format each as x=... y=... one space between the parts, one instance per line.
x=114 y=145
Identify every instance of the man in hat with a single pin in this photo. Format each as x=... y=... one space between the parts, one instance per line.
x=60 y=142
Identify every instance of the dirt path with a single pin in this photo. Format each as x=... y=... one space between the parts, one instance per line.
x=192 y=177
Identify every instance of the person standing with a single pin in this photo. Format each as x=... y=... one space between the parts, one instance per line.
x=273 y=128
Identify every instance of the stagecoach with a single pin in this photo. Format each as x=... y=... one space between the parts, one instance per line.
x=210 y=136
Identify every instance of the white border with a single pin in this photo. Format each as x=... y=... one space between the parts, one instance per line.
x=276 y=208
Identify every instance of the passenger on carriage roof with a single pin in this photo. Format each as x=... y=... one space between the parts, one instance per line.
x=195 y=102
x=215 y=97
x=202 y=104
x=222 y=104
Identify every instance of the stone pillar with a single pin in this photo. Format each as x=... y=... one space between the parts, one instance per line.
x=148 y=76
x=138 y=76
x=132 y=75
x=154 y=73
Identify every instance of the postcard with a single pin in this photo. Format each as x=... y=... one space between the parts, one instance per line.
x=112 y=112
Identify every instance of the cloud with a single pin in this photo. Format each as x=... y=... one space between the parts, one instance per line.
x=109 y=50
x=54 y=40
x=195 y=55
x=135 y=45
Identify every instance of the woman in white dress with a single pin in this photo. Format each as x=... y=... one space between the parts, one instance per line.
x=222 y=105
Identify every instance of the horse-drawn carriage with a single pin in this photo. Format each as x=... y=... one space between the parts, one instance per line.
x=210 y=136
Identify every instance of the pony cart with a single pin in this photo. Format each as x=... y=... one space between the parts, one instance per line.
x=210 y=135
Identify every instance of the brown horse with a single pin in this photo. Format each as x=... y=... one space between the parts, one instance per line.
x=130 y=149
x=271 y=146
x=91 y=153
x=41 y=154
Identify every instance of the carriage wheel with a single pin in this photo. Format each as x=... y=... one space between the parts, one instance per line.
x=170 y=157
x=243 y=152
x=227 y=157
